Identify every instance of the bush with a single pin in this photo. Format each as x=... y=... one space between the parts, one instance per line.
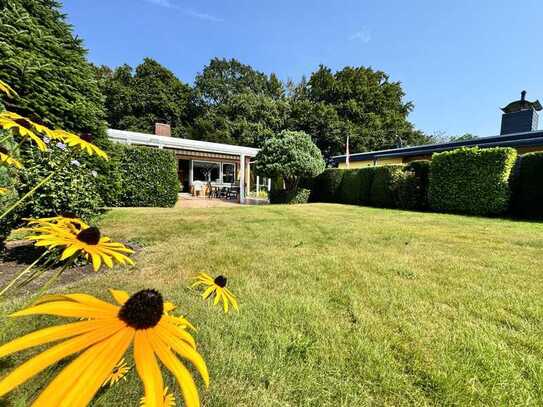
x=148 y=177
x=413 y=190
x=349 y=190
x=528 y=197
x=289 y=197
x=327 y=185
x=73 y=187
x=385 y=186
x=472 y=180
x=366 y=175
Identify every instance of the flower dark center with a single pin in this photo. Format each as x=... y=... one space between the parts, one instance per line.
x=221 y=281
x=89 y=236
x=143 y=310
x=70 y=215
x=3 y=150
x=86 y=136
x=23 y=123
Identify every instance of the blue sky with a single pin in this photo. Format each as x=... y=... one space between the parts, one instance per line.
x=459 y=61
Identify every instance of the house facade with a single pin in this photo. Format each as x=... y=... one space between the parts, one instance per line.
x=518 y=130
x=201 y=162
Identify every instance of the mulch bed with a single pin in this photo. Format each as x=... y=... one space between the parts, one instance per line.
x=19 y=254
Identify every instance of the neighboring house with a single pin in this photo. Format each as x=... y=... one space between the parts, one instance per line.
x=199 y=161
x=518 y=130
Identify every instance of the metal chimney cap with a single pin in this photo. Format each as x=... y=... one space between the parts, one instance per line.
x=522 y=104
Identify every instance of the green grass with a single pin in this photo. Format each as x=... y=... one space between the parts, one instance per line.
x=340 y=305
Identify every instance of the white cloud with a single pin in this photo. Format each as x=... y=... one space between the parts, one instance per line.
x=363 y=36
x=188 y=12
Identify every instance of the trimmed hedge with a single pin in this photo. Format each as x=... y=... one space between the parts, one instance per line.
x=385 y=186
x=327 y=185
x=300 y=196
x=413 y=190
x=528 y=197
x=149 y=177
x=366 y=175
x=349 y=190
x=472 y=180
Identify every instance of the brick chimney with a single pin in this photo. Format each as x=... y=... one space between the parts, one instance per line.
x=163 y=129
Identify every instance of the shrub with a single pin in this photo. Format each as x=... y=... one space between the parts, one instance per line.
x=385 y=186
x=291 y=155
x=413 y=190
x=149 y=177
x=283 y=196
x=73 y=187
x=471 y=180
x=528 y=196
x=366 y=175
x=349 y=190
x=327 y=185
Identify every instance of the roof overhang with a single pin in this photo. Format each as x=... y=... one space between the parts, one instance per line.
x=533 y=138
x=175 y=143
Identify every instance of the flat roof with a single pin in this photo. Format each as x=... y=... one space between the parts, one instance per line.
x=175 y=143
x=532 y=138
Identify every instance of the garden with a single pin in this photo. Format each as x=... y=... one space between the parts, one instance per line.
x=393 y=285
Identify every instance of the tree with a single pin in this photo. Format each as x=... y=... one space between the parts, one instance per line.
x=42 y=59
x=464 y=137
x=136 y=100
x=290 y=155
x=223 y=79
x=368 y=107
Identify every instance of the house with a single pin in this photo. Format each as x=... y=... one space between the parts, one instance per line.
x=200 y=162
x=518 y=130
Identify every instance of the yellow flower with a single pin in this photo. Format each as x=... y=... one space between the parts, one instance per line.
x=83 y=143
x=23 y=127
x=8 y=90
x=168 y=400
x=3 y=191
x=67 y=220
x=7 y=159
x=119 y=372
x=88 y=242
x=216 y=286
x=39 y=128
x=103 y=340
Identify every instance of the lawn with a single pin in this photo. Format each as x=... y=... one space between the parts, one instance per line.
x=340 y=305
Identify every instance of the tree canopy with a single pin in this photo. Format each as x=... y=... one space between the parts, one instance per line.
x=290 y=155
x=234 y=103
x=137 y=99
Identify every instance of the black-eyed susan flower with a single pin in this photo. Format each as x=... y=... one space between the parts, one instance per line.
x=87 y=242
x=8 y=90
x=168 y=400
x=82 y=142
x=216 y=286
x=101 y=342
x=67 y=220
x=22 y=126
x=117 y=374
x=6 y=159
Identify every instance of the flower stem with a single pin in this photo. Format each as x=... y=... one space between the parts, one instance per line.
x=21 y=200
x=22 y=273
x=53 y=279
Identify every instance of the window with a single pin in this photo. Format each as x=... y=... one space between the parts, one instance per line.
x=206 y=171
x=229 y=173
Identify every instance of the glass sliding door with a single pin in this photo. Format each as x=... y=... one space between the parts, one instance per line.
x=228 y=173
x=206 y=171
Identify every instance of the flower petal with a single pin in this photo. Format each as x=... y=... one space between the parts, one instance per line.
x=148 y=369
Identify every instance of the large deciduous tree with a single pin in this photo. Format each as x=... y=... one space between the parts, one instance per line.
x=137 y=99
x=291 y=155
x=369 y=108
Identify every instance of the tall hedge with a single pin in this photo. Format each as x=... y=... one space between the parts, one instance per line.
x=472 y=180
x=327 y=186
x=349 y=190
x=528 y=198
x=149 y=177
x=366 y=175
x=385 y=186
x=413 y=191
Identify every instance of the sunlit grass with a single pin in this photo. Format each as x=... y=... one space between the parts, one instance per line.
x=340 y=305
